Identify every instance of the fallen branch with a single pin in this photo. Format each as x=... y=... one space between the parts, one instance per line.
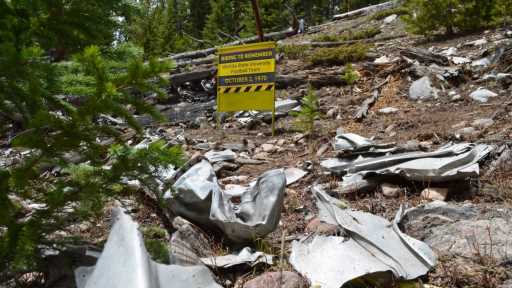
x=362 y=112
x=209 y=51
x=366 y=11
x=425 y=56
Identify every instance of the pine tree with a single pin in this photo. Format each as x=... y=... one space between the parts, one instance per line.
x=221 y=19
x=305 y=118
x=36 y=97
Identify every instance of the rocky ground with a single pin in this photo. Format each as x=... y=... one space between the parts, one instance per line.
x=471 y=231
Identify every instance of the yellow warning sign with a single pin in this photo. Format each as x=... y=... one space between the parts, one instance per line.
x=246 y=77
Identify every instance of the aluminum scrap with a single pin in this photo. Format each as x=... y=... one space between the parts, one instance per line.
x=371 y=244
x=243 y=214
x=125 y=263
x=356 y=143
x=245 y=256
x=452 y=161
x=217 y=156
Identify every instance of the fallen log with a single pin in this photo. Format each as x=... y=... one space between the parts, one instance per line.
x=177 y=80
x=366 y=10
x=425 y=56
x=274 y=36
x=362 y=112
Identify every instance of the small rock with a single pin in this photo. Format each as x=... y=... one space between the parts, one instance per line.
x=317 y=226
x=269 y=148
x=331 y=113
x=482 y=95
x=235 y=179
x=298 y=137
x=261 y=156
x=466 y=131
x=460 y=60
x=388 y=110
x=390 y=19
x=456 y=98
x=482 y=123
x=390 y=190
x=382 y=60
x=422 y=89
x=434 y=194
x=281 y=142
x=285 y=279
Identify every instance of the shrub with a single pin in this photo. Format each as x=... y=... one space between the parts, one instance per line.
x=503 y=12
x=305 y=118
x=293 y=51
x=155 y=239
x=385 y=13
x=349 y=35
x=362 y=34
x=326 y=38
x=449 y=16
x=339 y=55
x=350 y=76
x=429 y=16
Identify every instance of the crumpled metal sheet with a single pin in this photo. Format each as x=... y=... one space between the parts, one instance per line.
x=356 y=143
x=246 y=215
x=294 y=174
x=217 y=156
x=192 y=195
x=245 y=256
x=452 y=161
x=125 y=263
x=243 y=214
x=372 y=244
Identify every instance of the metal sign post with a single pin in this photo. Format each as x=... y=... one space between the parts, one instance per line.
x=246 y=78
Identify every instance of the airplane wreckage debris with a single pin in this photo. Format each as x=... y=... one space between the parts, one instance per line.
x=362 y=163
x=368 y=244
x=113 y=269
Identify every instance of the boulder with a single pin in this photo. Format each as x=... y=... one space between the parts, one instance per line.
x=464 y=230
x=422 y=89
x=482 y=95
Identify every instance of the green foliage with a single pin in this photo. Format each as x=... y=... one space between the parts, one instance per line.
x=37 y=98
x=326 y=38
x=155 y=240
x=350 y=76
x=388 y=12
x=291 y=51
x=348 y=36
x=60 y=26
x=503 y=12
x=361 y=34
x=305 y=118
x=428 y=17
x=339 y=55
x=221 y=19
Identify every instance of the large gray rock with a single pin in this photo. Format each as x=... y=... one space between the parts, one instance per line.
x=422 y=89
x=482 y=95
x=286 y=279
x=464 y=230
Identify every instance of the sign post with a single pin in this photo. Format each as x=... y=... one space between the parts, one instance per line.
x=246 y=78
